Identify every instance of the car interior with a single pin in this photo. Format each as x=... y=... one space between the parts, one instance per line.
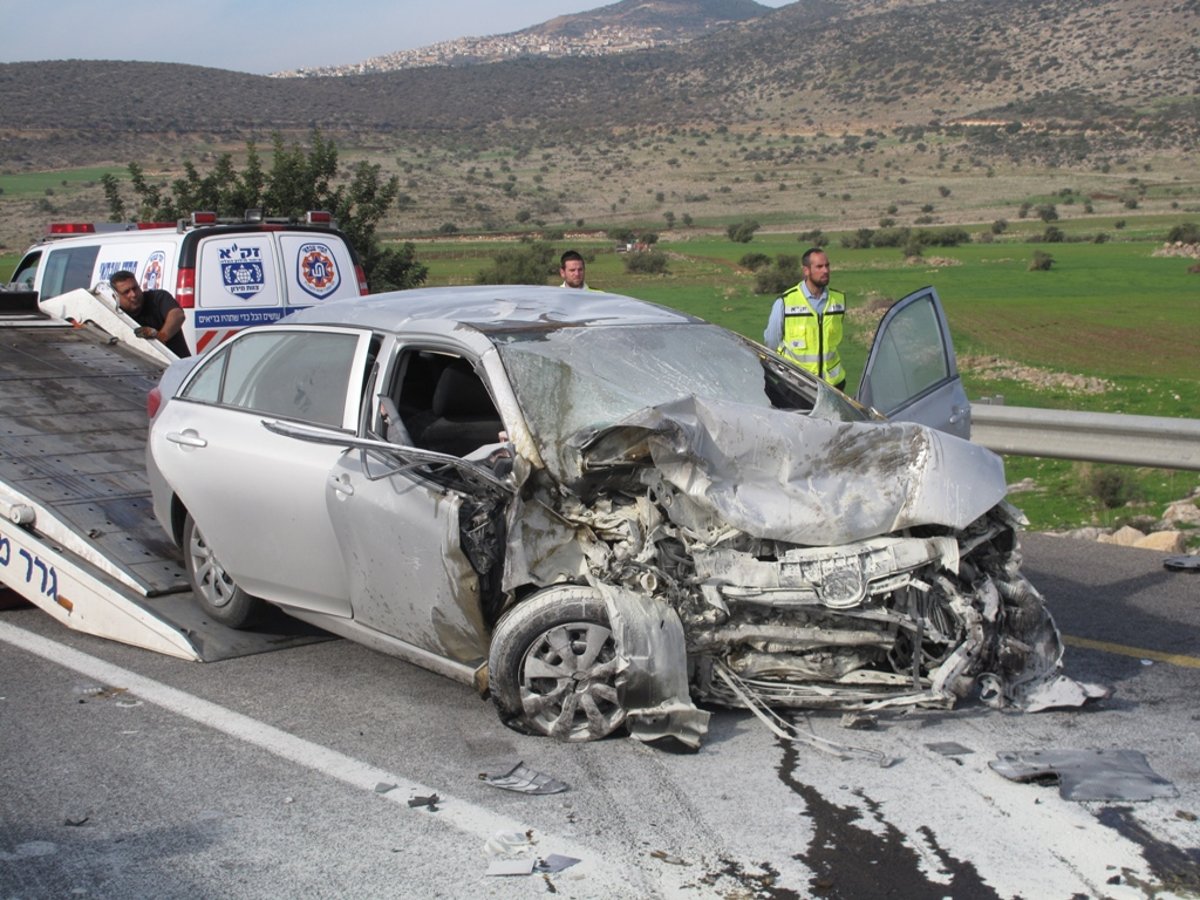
x=442 y=405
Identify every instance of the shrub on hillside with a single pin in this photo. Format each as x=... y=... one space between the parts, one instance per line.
x=782 y=276
x=754 y=261
x=1041 y=262
x=742 y=232
x=652 y=263
x=1185 y=233
x=532 y=263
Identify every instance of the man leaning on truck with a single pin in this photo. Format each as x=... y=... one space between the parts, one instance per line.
x=156 y=311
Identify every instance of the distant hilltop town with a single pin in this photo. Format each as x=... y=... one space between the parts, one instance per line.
x=600 y=41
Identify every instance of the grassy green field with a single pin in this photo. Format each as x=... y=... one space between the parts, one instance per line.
x=1112 y=311
x=48 y=184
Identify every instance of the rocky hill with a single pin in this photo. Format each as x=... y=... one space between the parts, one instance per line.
x=1081 y=74
x=618 y=28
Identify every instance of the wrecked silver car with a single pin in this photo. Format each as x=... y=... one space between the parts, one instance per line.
x=601 y=511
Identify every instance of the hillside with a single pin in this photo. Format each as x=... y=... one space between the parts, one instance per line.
x=618 y=28
x=1112 y=66
x=830 y=113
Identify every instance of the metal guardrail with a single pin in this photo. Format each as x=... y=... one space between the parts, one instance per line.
x=1157 y=441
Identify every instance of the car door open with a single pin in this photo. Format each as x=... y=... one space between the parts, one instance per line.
x=911 y=373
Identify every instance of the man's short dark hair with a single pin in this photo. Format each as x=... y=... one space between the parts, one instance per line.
x=568 y=257
x=120 y=275
x=807 y=257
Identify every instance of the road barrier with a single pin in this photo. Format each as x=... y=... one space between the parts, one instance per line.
x=1157 y=441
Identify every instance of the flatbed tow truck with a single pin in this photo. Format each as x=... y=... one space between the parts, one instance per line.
x=78 y=537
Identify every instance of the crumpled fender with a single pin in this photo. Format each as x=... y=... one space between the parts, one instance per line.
x=654 y=677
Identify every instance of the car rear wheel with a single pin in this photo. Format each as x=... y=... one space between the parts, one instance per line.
x=215 y=591
x=553 y=665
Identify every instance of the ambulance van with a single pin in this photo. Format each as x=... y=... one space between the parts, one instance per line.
x=224 y=274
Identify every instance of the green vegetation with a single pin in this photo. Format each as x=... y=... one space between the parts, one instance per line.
x=51 y=184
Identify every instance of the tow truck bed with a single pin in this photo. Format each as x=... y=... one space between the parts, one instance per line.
x=79 y=537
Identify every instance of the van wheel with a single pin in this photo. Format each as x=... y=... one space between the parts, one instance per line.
x=552 y=666
x=215 y=591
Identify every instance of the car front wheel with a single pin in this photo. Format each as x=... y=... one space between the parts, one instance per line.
x=215 y=591
x=553 y=665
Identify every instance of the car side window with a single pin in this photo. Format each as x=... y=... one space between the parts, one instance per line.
x=299 y=375
x=443 y=404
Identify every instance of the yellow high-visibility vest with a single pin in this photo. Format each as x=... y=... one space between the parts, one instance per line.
x=811 y=340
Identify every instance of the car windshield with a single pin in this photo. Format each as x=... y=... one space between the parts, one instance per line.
x=571 y=379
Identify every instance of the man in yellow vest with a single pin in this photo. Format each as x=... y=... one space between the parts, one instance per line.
x=806 y=322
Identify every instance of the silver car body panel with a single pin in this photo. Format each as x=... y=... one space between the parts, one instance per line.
x=737 y=518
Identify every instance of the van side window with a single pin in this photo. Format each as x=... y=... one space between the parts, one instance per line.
x=68 y=268
x=26 y=273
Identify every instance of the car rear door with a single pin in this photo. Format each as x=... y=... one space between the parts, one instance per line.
x=259 y=496
x=911 y=373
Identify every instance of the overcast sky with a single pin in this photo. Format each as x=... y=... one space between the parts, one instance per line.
x=259 y=35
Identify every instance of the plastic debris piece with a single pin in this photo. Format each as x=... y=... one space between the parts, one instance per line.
x=511 y=866
x=1182 y=563
x=669 y=858
x=860 y=721
x=949 y=748
x=1087 y=774
x=508 y=843
x=524 y=780
x=556 y=862
x=430 y=802
x=383 y=787
x=75 y=823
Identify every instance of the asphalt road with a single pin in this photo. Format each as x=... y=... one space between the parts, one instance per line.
x=127 y=774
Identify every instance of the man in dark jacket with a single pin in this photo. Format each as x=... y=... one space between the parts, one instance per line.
x=156 y=311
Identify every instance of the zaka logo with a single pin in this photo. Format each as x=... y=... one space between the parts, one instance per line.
x=242 y=270
x=316 y=271
x=152 y=274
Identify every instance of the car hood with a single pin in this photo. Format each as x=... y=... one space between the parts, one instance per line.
x=792 y=477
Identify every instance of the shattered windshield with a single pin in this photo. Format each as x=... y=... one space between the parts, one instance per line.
x=572 y=379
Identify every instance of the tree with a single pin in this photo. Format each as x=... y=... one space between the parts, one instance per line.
x=300 y=179
x=742 y=232
x=652 y=263
x=532 y=263
x=1047 y=212
x=1041 y=262
x=784 y=274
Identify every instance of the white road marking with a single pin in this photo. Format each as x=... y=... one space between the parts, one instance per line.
x=472 y=820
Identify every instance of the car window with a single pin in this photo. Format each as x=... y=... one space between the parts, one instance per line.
x=443 y=405
x=68 y=268
x=910 y=357
x=298 y=375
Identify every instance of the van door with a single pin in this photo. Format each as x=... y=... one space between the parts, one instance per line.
x=317 y=267
x=911 y=373
x=238 y=283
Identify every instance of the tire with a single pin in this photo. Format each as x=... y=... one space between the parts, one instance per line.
x=215 y=591
x=552 y=666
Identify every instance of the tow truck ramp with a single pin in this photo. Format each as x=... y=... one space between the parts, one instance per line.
x=78 y=536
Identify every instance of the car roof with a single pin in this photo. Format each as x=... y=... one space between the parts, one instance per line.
x=489 y=309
